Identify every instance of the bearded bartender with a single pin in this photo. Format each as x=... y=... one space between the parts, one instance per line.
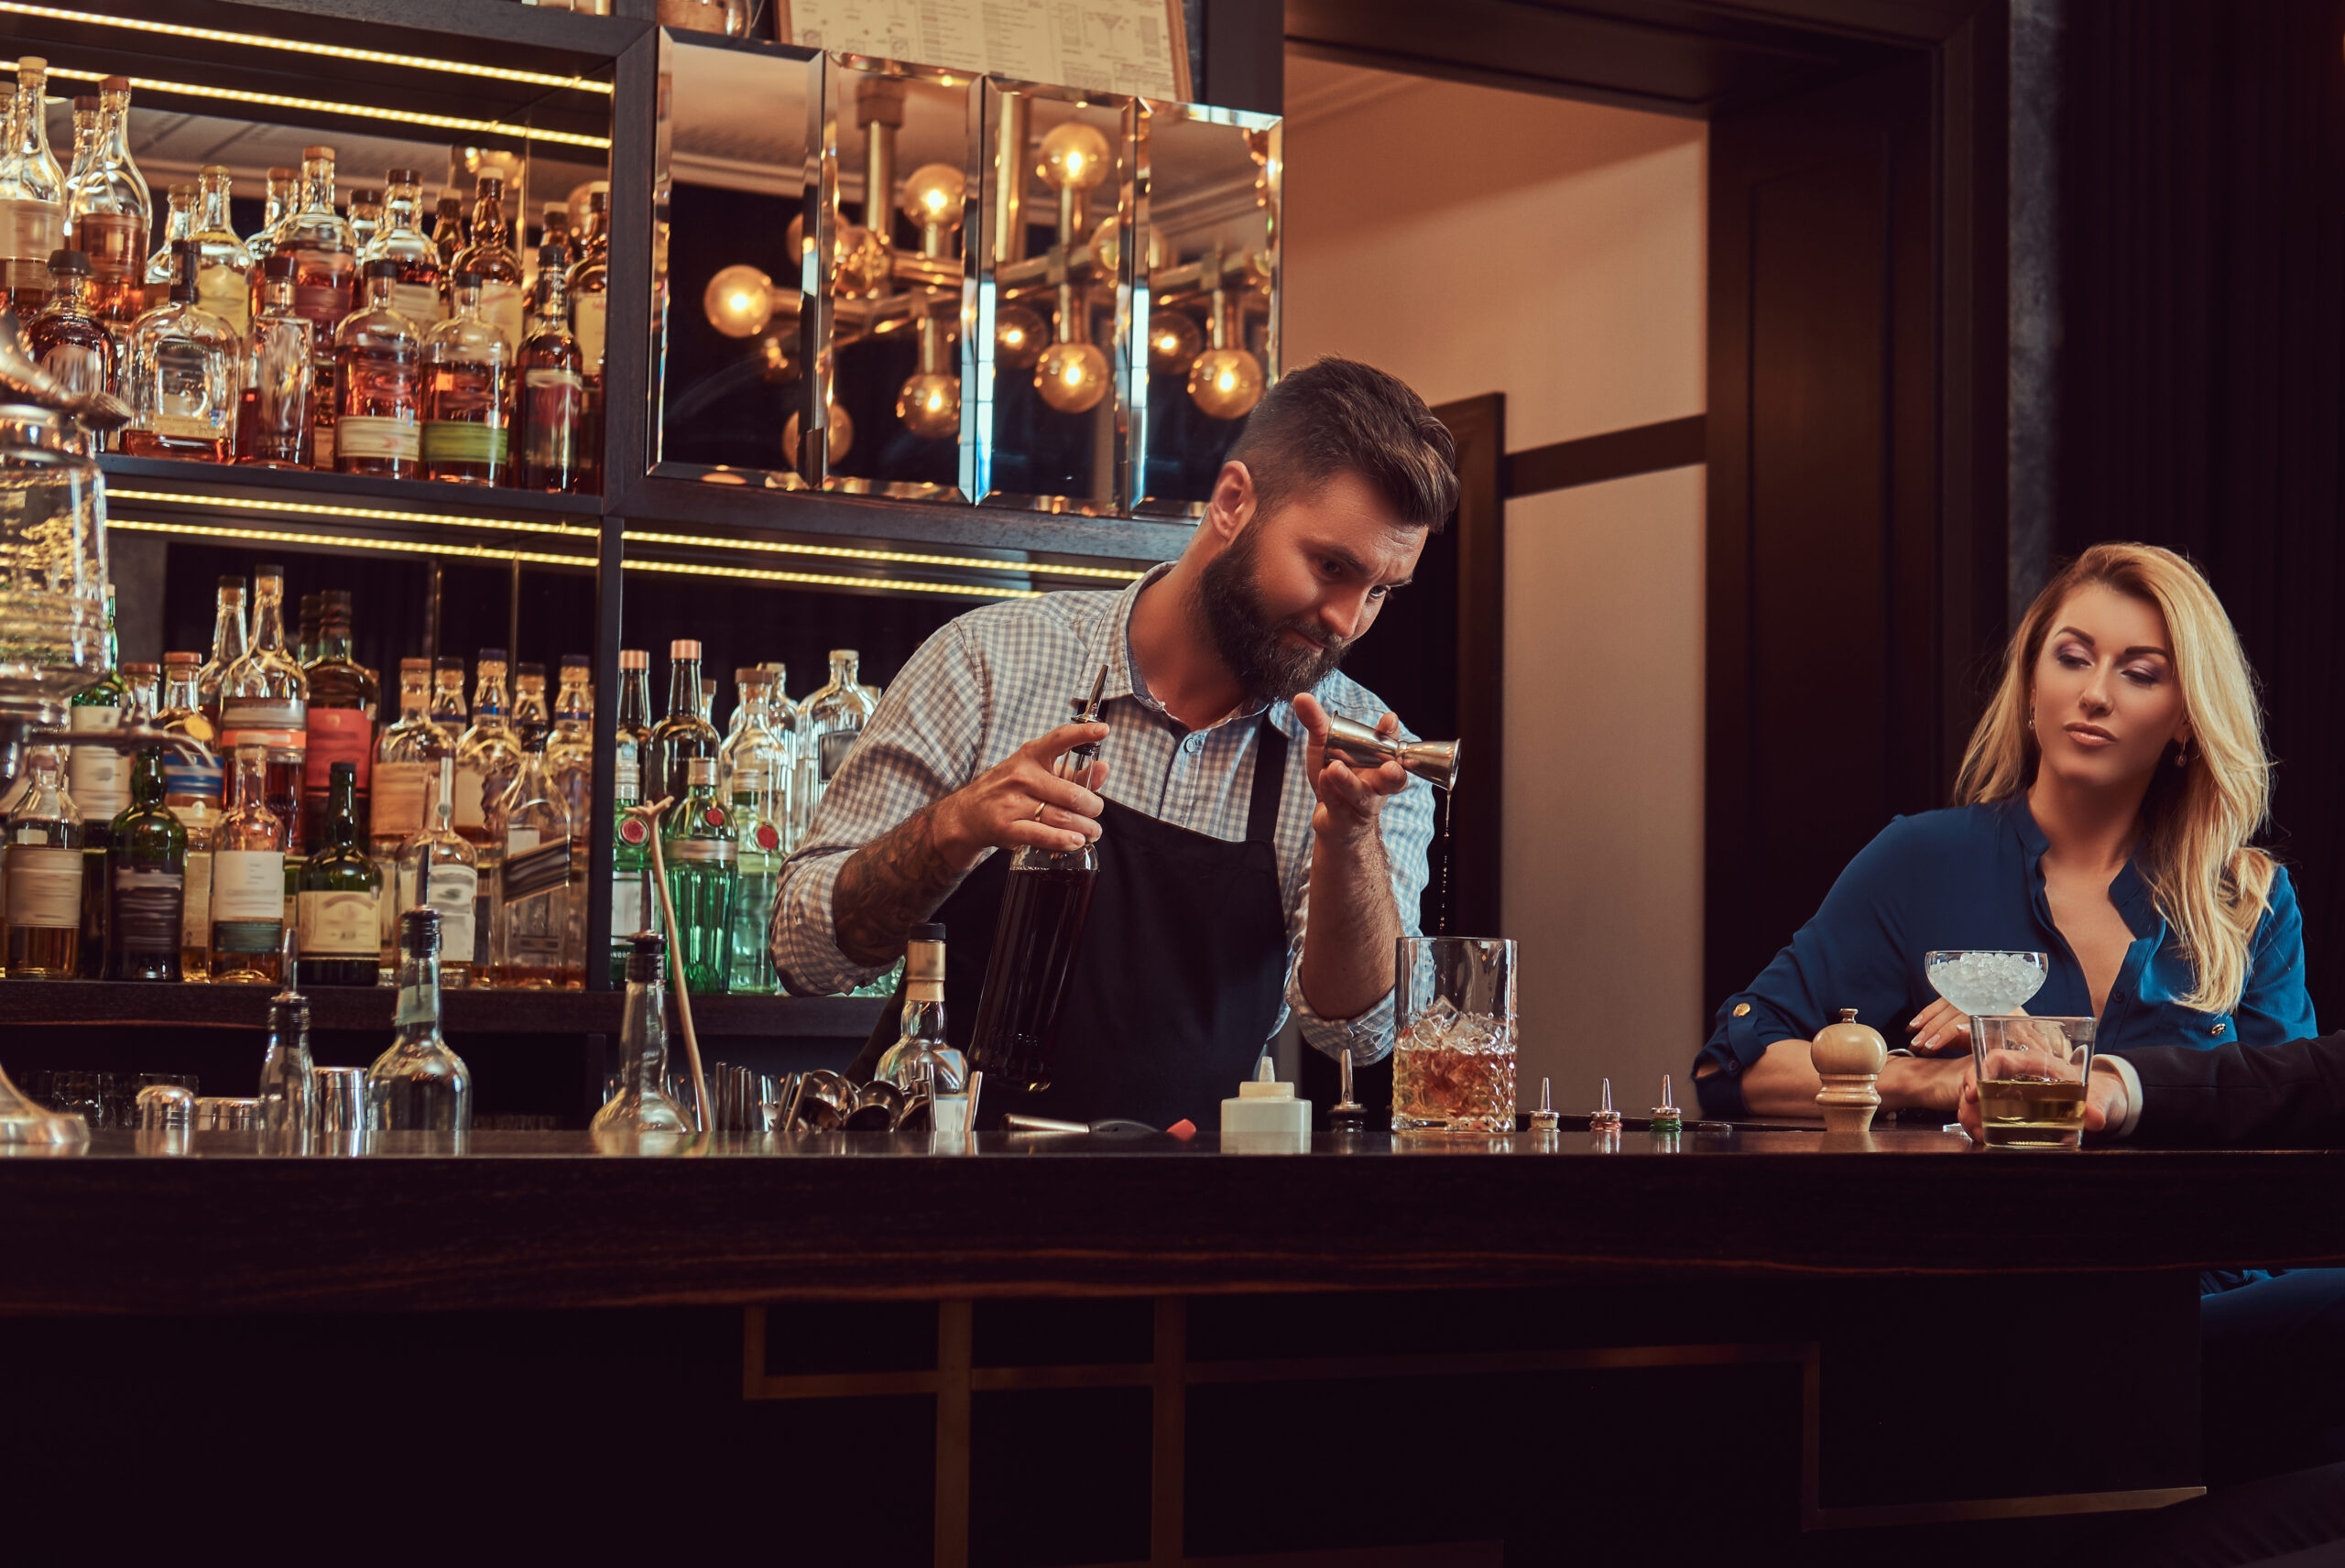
x=1242 y=872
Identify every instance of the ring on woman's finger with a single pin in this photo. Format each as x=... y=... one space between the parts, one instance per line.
x=1039 y=807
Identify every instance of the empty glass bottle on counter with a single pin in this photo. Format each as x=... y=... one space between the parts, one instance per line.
x=642 y=1103
x=44 y=866
x=696 y=841
x=288 y=1087
x=418 y=1085
x=146 y=880
x=921 y=1059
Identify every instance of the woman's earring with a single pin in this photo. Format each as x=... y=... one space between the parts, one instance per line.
x=2182 y=753
x=2031 y=721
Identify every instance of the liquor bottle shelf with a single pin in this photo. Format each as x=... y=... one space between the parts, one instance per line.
x=484 y=1011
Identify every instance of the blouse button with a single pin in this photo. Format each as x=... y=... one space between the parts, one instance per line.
x=1742 y=1009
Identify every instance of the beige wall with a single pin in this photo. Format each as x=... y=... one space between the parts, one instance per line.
x=1472 y=241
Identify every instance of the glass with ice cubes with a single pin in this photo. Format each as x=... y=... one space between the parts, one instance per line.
x=1452 y=1055
x=1986 y=984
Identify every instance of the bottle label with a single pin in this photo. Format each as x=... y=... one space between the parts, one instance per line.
x=371 y=436
x=226 y=293
x=341 y=922
x=420 y=302
x=248 y=936
x=337 y=735
x=113 y=242
x=464 y=440
x=44 y=887
x=191 y=427
x=29 y=231
x=590 y=318
x=554 y=405
x=627 y=903
x=149 y=907
x=195 y=909
x=271 y=713
x=554 y=378
x=469 y=784
x=834 y=748
x=397 y=798
x=248 y=885
x=321 y=284
x=531 y=868
x=709 y=850
x=98 y=777
x=500 y=305
x=189 y=782
x=453 y=890
x=322 y=444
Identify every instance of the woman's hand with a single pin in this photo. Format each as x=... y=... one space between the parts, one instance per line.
x=1940 y=1029
x=1923 y=1085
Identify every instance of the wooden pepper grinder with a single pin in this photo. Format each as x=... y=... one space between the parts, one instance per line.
x=1849 y=1057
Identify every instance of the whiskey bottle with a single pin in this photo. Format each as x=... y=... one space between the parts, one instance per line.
x=340 y=722
x=552 y=375
x=757 y=856
x=533 y=939
x=554 y=233
x=229 y=644
x=32 y=192
x=68 y=339
x=631 y=727
x=468 y=394
x=265 y=691
x=487 y=758
x=147 y=879
x=110 y=210
x=378 y=386
x=438 y=870
x=570 y=751
x=685 y=732
x=338 y=901
x=162 y=265
x=366 y=215
x=224 y=278
x=45 y=876
x=181 y=381
x=448 y=710
x=632 y=899
x=194 y=787
x=277 y=400
x=418 y=293
x=406 y=755
x=590 y=285
x=489 y=258
x=325 y=265
x=448 y=236
x=249 y=880
x=418 y=1085
x=532 y=722
x=696 y=841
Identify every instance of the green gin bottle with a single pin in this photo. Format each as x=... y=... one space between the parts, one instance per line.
x=757 y=857
x=631 y=897
x=338 y=895
x=698 y=845
x=146 y=880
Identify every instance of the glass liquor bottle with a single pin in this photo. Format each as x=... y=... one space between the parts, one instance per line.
x=468 y=394
x=277 y=401
x=338 y=896
x=305 y=646
x=570 y=752
x=448 y=710
x=224 y=276
x=418 y=1085
x=922 y=1057
x=533 y=942
x=265 y=691
x=488 y=756
x=32 y=193
x=101 y=784
x=162 y=265
x=406 y=755
x=757 y=856
x=590 y=285
x=111 y=212
x=182 y=380
x=401 y=239
x=230 y=642
x=632 y=899
x=696 y=841
x=489 y=258
x=366 y=215
x=193 y=790
x=68 y=339
x=532 y=723
x=631 y=727
x=378 y=386
x=146 y=684
x=288 y=1082
x=448 y=236
x=835 y=716
x=340 y=726
x=553 y=376
x=325 y=266
x=685 y=732
x=249 y=880
x=45 y=876
x=642 y=1103
x=281 y=194
x=438 y=870
x=147 y=879
x=753 y=743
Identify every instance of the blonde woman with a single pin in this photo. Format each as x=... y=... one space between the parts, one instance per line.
x=2109 y=793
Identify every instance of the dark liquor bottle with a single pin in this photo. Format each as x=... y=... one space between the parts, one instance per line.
x=276 y=406
x=490 y=258
x=590 y=285
x=45 y=876
x=418 y=1085
x=378 y=386
x=696 y=841
x=147 y=879
x=553 y=391
x=340 y=724
x=100 y=778
x=67 y=338
x=468 y=394
x=339 y=895
x=325 y=266
x=685 y=732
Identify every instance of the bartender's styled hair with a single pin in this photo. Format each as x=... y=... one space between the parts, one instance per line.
x=1338 y=416
x=2208 y=881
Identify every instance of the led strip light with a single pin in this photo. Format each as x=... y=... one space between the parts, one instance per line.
x=826 y=580
x=340 y=109
x=956 y=562
x=298 y=46
x=367 y=514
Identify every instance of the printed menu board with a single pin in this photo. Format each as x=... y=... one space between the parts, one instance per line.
x=1138 y=46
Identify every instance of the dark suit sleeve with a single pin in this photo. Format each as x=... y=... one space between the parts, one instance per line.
x=2289 y=1095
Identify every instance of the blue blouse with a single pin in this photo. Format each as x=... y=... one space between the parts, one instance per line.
x=1970 y=878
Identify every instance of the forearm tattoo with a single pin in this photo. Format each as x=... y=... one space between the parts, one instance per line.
x=889 y=886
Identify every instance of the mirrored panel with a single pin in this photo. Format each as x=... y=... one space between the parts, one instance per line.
x=1205 y=323
x=738 y=156
x=1053 y=302
x=899 y=213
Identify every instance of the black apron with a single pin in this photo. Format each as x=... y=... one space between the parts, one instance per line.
x=1180 y=979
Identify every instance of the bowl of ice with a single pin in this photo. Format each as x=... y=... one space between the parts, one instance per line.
x=1986 y=984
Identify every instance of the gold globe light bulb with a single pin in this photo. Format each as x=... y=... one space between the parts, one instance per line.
x=862 y=262
x=1072 y=377
x=738 y=302
x=1019 y=337
x=778 y=358
x=1174 y=340
x=930 y=405
x=1074 y=157
x=933 y=194
x=1224 y=382
x=840 y=437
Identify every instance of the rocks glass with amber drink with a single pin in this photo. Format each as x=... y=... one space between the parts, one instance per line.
x=2032 y=1075
x=1452 y=1055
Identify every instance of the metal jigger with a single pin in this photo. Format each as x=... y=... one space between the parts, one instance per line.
x=1434 y=761
x=1347 y=1115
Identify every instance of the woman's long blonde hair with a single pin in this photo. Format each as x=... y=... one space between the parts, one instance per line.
x=2207 y=882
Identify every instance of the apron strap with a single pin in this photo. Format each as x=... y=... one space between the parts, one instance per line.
x=1269 y=782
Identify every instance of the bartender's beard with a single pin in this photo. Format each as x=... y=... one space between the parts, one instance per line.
x=1252 y=643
